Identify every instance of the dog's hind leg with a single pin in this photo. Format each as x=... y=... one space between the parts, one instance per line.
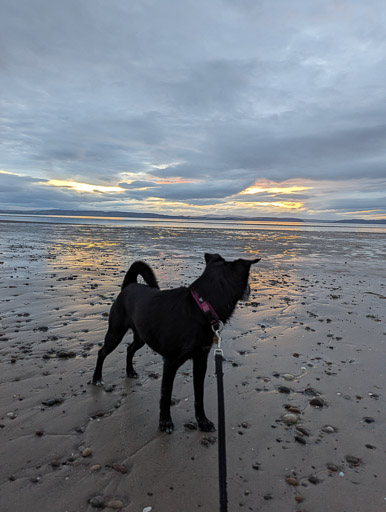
x=199 y=370
x=131 y=350
x=112 y=340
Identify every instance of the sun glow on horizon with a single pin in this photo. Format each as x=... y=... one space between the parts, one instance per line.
x=260 y=188
x=83 y=187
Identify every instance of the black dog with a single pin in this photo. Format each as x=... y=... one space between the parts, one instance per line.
x=175 y=323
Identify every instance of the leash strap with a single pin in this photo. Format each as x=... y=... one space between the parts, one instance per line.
x=222 y=462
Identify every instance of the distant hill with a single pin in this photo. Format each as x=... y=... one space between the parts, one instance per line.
x=146 y=215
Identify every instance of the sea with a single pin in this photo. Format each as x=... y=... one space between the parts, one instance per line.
x=201 y=224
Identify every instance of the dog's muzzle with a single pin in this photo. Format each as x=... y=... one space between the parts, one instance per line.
x=246 y=293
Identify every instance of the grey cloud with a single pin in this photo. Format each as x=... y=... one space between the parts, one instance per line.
x=223 y=92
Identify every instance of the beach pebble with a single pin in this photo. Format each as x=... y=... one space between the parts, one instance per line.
x=292 y=481
x=288 y=376
x=63 y=354
x=328 y=429
x=302 y=430
x=147 y=509
x=95 y=467
x=300 y=440
x=354 y=461
x=97 y=502
x=120 y=468
x=332 y=467
x=317 y=402
x=87 y=452
x=299 y=498
x=109 y=388
x=115 y=504
x=190 y=426
x=52 y=401
x=293 y=409
x=11 y=415
x=289 y=419
x=284 y=389
x=368 y=419
x=207 y=440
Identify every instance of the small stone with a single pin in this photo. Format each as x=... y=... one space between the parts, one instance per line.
x=299 y=498
x=39 y=433
x=256 y=466
x=115 y=504
x=284 y=389
x=147 y=509
x=97 y=502
x=370 y=446
x=300 y=440
x=314 y=480
x=293 y=409
x=87 y=452
x=207 y=440
x=302 y=430
x=95 y=467
x=317 y=402
x=332 y=467
x=52 y=401
x=11 y=415
x=190 y=426
x=292 y=481
x=328 y=429
x=354 y=461
x=368 y=419
x=288 y=376
x=108 y=388
x=120 y=468
x=289 y=419
x=268 y=497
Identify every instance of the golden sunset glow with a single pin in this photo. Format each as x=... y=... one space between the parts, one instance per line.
x=283 y=189
x=83 y=187
x=288 y=205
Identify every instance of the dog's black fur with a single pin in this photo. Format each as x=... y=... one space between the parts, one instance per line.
x=173 y=325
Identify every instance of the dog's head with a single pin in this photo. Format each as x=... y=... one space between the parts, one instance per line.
x=236 y=273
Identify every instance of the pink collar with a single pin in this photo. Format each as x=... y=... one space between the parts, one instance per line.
x=208 y=310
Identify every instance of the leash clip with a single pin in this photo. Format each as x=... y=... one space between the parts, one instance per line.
x=217 y=336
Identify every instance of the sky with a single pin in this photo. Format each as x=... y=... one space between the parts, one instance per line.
x=223 y=107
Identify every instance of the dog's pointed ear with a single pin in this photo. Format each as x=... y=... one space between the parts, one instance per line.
x=212 y=257
x=251 y=262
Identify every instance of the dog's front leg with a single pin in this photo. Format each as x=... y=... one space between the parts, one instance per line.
x=169 y=373
x=199 y=370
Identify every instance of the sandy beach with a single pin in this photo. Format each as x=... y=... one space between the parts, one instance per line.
x=304 y=374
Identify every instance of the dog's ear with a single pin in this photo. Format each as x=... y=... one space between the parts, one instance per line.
x=212 y=257
x=250 y=262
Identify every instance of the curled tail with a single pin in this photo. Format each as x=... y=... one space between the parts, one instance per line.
x=139 y=268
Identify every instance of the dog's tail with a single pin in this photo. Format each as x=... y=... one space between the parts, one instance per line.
x=139 y=268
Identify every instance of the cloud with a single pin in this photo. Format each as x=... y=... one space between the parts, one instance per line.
x=218 y=94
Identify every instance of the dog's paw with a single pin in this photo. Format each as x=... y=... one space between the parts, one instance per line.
x=98 y=382
x=206 y=425
x=166 y=426
x=132 y=374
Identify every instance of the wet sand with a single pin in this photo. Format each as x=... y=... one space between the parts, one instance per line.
x=304 y=375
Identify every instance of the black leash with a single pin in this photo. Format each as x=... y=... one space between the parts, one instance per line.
x=222 y=461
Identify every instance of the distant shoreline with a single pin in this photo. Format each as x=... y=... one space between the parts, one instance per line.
x=145 y=215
